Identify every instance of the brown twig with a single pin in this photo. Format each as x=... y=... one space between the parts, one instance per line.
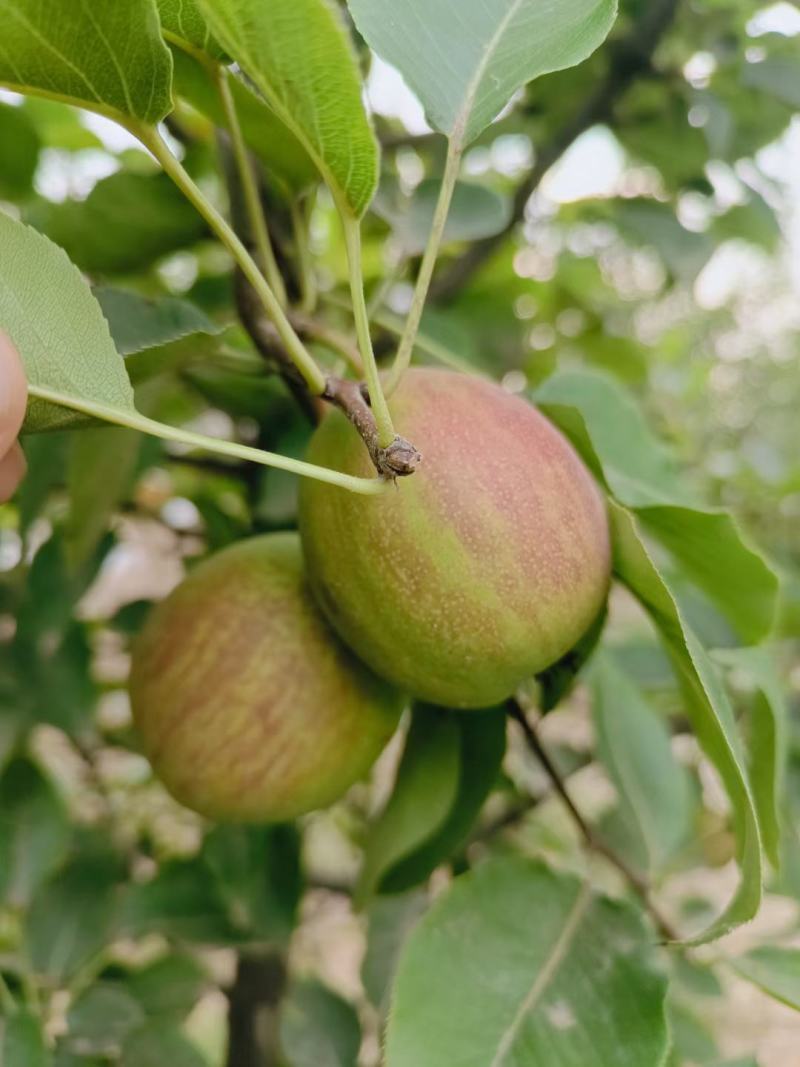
x=253 y=1005
x=637 y=881
x=631 y=57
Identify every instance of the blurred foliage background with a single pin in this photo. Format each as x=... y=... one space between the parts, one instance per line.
x=638 y=216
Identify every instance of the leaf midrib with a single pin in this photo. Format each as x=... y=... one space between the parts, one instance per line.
x=543 y=978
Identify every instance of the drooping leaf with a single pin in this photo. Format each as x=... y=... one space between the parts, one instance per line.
x=20 y=155
x=424 y=793
x=603 y=422
x=775 y=970
x=101 y=466
x=465 y=59
x=34 y=831
x=283 y=157
x=104 y=56
x=707 y=706
x=516 y=964
x=318 y=1028
x=183 y=20
x=633 y=744
x=482 y=745
x=24 y=1043
x=298 y=55
x=48 y=310
x=768 y=739
x=137 y=323
x=475 y=212
x=127 y=223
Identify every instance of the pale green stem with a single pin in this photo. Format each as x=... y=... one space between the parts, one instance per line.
x=403 y=357
x=301 y=358
x=380 y=409
x=252 y=197
x=135 y=421
x=308 y=280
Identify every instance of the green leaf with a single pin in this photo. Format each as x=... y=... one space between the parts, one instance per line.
x=20 y=155
x=107 y=57
x=707 y=706
x=475 y=212
x=127 y=223
x=283 y=157
x=634 y=745
x=558 y=680
x=258 y=874
x=137 y=322
x=24 y=1043
x=391 y=919
x=318 y=1028
x=182 y=19
x=603 y=422
x=482 y=737
x=72 y=916
x=768 y=739
x=777 y=75
x=298 y=55
x=169 y=987
x=101 y=467
x=101 y=1019
x=34 y=831
x=182 y=901
x=424 y=793
x=156 y=1046
x=775 y=970
x=48 y=310
x=518 y=964
x=465 y=59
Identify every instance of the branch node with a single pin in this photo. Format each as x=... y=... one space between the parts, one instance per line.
x=397 y=460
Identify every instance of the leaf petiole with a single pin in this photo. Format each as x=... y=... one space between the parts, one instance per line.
x=135 y=421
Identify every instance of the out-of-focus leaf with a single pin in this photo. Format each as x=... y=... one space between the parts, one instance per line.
x=754 y=221
x=282 y=155
x=47 y=309
x=137 y=322
x=634 y=745
x=777 y=75
x=20 y=155
x=708 y=707
x=24 y=1043
x=101 y=1019
x=768 y=739
x=423 y=797
x=515 y=958
x=126 y=223
x=391 y=919
x=34 y=831
x=72 y=916
x=775 y=970
x=298 y=54
x=168 y=988
x=649 y=222
x=318 y=1028
x=101 y=467
x=182 y=901
x=108 y=57
x=475 y=212
x=464 y=79
x=157 y=1046
x=482 y=745
x=258 y=873
x=693 y=1041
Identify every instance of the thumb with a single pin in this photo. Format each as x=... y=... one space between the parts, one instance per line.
x=13 y=393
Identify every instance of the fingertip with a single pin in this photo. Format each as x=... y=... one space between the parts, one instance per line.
x=12 y=471
x=13 y=393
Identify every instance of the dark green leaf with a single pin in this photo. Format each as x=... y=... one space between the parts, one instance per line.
x=34 y=831
x=20 y=155
x=159 y=1046
x=423 y=797
x=482 y=744
x=182 y=901
x=391 y=919
x=101 y=1019
x=137 y=322
x=515 y=959
x=170 y=987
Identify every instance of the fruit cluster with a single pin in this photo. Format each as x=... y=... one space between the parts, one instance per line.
x=271 y=679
